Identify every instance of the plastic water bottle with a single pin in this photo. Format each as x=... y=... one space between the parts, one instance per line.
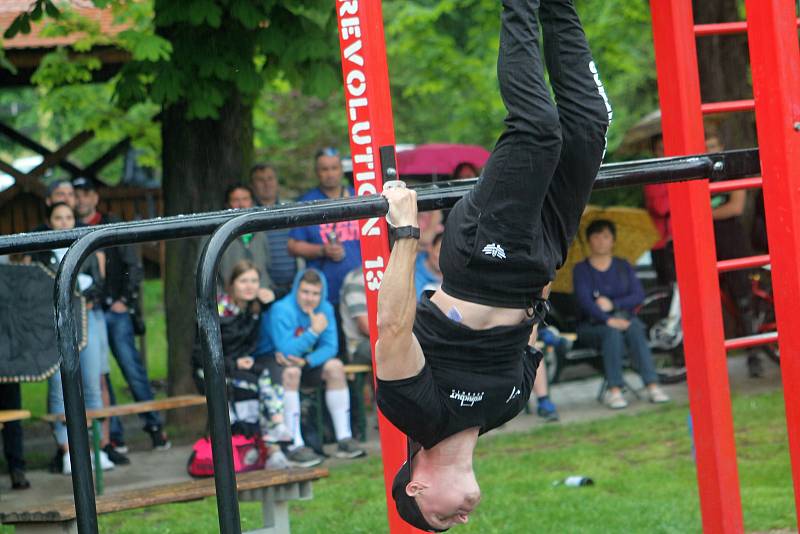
x=574 y=481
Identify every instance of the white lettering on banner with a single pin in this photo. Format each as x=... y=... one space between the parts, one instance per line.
x=361 y=135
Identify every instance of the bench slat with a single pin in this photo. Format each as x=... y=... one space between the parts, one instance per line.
x=158 y=405
x=7 y=416
x=191 y=490
x=357 y=368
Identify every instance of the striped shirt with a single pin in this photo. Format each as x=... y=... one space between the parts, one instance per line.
x=352 y=303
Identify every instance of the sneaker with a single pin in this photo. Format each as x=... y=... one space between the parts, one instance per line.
x=277 y=460
x=57 y=463
x=616 y=401
x=159 y=438
x=120 y=446
x=754 y=366
x=105 y=463
x=303 y=457
x=278 y=433
x=349 y=448
x=657 y=395
x=547 y=411
x=115 y=456
x=18 y=480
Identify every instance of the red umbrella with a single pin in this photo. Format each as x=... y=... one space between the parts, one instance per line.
x=440 y=159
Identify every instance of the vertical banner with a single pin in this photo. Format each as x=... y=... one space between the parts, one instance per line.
x=368 y=106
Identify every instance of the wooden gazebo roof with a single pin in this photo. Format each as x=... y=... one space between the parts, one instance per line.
x=25 y=51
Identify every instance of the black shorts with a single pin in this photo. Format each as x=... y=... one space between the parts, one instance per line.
x=504 y=240
x=311 y=377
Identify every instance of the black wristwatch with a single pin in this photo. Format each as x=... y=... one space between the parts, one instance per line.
x=406 y=232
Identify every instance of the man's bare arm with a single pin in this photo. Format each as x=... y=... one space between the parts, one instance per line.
x=397 y=353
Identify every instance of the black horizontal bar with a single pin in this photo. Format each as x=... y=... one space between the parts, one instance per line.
x=723 y=166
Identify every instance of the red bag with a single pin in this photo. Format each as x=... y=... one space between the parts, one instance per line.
x=249 y=454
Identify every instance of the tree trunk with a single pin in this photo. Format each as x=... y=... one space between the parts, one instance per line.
x=725 y=72
x=200 y=158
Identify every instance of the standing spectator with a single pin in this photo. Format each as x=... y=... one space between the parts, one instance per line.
x=332 y=248
x=608 y=293
x=61 y=216
x=301 y=330
x=355 y=320
x=252 y=247
x=465 y=170
x=431 y=224
x=726 y=211
x=13 y=450
x=656 y=198
x=283 y=266
x=124 y=275
x=60 y=191
x=427 y=275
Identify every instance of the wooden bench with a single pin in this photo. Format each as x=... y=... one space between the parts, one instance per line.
x=6 y=416
x=94 y=417
x=274 y=489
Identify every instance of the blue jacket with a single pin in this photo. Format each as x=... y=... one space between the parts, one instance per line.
x=619 y=284
x=285 y=328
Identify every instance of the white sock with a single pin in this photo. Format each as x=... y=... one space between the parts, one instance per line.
x=291 y=411
x=338 y=401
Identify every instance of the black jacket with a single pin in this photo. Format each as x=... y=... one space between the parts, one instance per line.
x=124 y=271
x=94 y=293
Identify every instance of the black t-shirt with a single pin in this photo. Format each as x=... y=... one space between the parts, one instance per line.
x=471 y=378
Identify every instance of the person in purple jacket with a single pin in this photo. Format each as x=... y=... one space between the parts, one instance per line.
x=608 y=293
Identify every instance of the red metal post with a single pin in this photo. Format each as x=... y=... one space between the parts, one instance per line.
x=369 y=115
x=709 y=391
x=775 y=60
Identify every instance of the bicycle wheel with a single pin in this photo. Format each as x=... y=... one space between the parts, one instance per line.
x=665 y=336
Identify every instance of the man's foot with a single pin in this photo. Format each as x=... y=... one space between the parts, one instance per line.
x=755 y=368
x=349 y=448
x=616 y=401
x=57 y=463
x=120 y=446
x=277 y=460
x=278 y=433
x=547 y=410
x=303 y=457
x=18 y=480
x=657 y=395
x=159 y=438
x=105 y=463
x=115 y=456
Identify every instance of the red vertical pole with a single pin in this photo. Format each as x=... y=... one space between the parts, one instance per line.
x=775 y=59
x=369 y=115
x=709 y=391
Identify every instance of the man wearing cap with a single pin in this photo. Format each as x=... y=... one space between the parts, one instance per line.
x=458 y=364
x=124 y=274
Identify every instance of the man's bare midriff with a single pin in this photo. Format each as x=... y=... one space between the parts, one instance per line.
x=478 y=316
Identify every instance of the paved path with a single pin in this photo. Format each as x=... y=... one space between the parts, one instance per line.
x=575 y=400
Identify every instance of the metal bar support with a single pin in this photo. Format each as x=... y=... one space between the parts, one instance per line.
x=737 y=264
x=775 y=60
x=696 y=262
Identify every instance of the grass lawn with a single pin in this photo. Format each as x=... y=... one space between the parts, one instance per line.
x=641 y=464
x=34 y=395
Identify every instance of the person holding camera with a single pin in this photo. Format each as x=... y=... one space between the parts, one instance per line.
x=608 y=293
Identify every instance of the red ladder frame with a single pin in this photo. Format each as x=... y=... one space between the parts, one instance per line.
x=772 y=31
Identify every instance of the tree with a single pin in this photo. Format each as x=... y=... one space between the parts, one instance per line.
x=204 y=63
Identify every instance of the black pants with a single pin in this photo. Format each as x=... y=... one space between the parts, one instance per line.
x=10 y=399
x=505 y=239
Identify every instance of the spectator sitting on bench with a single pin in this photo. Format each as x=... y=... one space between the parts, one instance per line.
x=256 y=406
x=61 y=216
x=355 y=321
x=301 y=334
x=427 y=275
x=607 y=293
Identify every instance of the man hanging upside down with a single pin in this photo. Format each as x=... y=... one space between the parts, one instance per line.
x=458 y=364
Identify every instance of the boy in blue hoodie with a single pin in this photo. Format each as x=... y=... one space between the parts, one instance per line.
x=298 y=342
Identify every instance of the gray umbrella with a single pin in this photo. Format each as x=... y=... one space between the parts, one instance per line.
x=28 y=349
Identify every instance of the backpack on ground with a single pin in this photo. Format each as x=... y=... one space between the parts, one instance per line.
x=249 y=454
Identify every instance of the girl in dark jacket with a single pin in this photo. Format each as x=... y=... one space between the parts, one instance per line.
x=256 y=404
